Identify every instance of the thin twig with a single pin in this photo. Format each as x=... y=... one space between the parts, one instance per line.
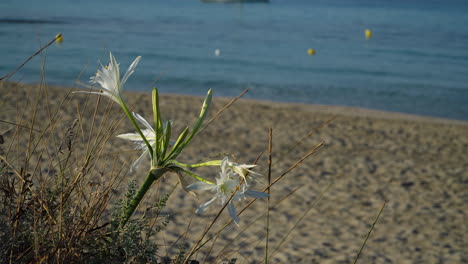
x=270 y=146
x=368 y=233
x=18 y=125
x=32 y=56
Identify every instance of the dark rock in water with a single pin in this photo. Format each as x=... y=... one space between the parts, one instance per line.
x=407 y=185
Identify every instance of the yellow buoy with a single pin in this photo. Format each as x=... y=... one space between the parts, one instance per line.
x=59 y=38
x=368 y=33
x=311 y=52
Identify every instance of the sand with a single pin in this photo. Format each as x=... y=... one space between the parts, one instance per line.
x=418 y=165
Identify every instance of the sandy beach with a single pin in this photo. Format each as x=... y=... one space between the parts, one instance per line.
x=418 y=165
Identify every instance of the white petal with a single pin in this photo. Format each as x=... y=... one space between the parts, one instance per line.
x=130 y=70
x=131 y=136
x=107 y=78
x=137 y=162
x=85 y=85
x=256 y=194
x=202 y=207
x=245 y=166
x=114 y=68
x=143 y=121
x=224 y=165
x=255 y=173
x=149 y=134
x=200 y=186
x=223 y=199
x=103 y=92
x=233 y=213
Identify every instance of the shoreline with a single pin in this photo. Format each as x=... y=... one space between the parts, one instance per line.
x=356 y=111
x=320 y=108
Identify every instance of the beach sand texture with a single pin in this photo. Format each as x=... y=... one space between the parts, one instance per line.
x=419 y=165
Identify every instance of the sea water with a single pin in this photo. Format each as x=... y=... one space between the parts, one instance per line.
x=415 y=62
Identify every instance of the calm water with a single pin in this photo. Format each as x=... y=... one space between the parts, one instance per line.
x=416 y=61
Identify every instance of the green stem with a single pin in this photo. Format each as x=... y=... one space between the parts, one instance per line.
x=157 y=125
x=153 y=175
x=192 y=175
x=202 y=164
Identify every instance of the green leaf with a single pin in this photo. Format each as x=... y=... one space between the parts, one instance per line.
x=191 y=174
x=155 y=103
x=175 y=149
x=166 y=138
x=156 y=112
x=203 y=113
x=197 y=165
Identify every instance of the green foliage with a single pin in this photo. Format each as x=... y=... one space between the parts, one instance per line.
x=38 y=225
x=132 y=243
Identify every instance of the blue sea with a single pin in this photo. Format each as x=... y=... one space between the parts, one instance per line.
x=416 y=61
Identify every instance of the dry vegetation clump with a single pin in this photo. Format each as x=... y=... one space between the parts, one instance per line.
x=59 y=185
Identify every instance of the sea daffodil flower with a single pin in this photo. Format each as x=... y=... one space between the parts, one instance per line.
x=225 y=186
x=108 y=77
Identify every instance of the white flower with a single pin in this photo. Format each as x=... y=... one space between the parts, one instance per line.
x=243 y=170
x=225 y=186
x=108 y=77
x=149 y=134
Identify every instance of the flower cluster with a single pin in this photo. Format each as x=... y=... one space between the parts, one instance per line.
x=155 y=141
